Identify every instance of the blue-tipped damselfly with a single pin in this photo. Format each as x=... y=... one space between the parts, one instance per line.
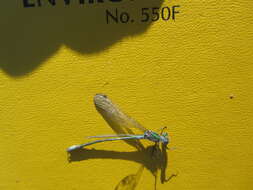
x=112 y=113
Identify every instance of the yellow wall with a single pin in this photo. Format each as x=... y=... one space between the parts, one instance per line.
x=194 y=75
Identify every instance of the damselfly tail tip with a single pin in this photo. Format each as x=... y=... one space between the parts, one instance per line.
x=73 y=148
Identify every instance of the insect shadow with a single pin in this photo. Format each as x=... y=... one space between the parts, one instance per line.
x=154 y=158
x=154 y=163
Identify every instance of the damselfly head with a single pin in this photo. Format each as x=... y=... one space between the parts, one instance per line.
x=165 y=138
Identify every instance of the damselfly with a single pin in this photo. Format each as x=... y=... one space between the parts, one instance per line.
x=113 y=114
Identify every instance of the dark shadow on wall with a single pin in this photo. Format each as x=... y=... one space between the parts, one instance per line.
x=30 y=35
